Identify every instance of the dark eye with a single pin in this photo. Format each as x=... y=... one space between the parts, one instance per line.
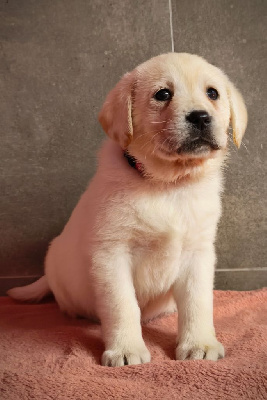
x=212 y=93
x=163 y=95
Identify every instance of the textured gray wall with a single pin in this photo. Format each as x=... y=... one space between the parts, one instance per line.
x=59 y=59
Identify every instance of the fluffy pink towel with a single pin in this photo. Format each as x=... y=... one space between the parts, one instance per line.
x=46 y=355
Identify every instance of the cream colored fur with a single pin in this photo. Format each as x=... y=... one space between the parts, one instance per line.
x=139 y=245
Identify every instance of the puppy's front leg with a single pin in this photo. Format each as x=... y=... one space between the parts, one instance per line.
x=118 y=309
x=194 y=296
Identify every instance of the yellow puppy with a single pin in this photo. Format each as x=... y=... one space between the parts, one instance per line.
x=141 y=240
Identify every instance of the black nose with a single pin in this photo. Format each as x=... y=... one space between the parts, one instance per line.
x=199 y=118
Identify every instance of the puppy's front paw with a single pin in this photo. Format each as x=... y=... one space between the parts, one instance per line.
x=209 y=349
x=126 y=356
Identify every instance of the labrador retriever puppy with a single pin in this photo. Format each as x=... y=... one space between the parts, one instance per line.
x=140 y=242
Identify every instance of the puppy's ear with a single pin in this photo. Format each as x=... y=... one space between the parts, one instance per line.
x=238 y=116
x=116 y=113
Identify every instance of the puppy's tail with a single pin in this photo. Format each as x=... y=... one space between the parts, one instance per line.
x=32 y=293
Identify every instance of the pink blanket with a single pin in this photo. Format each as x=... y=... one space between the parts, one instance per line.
x=46 y=355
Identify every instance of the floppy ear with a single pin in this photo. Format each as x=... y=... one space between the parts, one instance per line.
x=238 y=112
x=116 y=113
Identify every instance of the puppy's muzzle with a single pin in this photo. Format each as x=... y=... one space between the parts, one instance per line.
x=200 y=133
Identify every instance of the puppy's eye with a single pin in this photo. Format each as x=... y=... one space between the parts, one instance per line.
x=212 y=93
x=163 y=95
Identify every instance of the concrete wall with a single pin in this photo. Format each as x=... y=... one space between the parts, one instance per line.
x=58 y=60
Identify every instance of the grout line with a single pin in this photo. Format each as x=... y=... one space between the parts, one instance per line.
x=171 y=27
x=21 y=277
x=240 y=269
x=217 y=270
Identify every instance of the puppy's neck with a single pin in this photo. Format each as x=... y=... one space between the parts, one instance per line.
x=174 y=172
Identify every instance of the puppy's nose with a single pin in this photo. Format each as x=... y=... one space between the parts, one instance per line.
x=199 y=118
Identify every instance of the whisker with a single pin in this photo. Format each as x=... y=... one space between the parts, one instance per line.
x=156 y=133
x=155 y=148
x=234 y=148
x=150 y=139
x=242 y=143
x=148 y=133
x=160 y=144
x=160 y=122
x=245 y=146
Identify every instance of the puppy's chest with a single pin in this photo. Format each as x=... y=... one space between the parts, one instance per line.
x=159 y=228
x=165 y=228
x=165 y=216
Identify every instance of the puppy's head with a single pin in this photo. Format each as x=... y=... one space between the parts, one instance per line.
x=172 y=113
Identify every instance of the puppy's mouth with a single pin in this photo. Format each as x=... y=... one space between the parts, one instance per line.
x=198 y=146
